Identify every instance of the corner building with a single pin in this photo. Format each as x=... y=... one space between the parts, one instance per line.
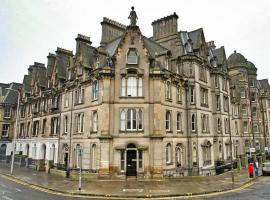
x=134 y=105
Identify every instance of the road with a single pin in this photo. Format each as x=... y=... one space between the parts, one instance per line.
x=260 y=190
x=10 y=190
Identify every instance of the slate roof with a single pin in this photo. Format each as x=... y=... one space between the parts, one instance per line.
x=196 y=36
x=264 y=83
x=153 y=47
x=112 y=46
x=219 y=53
x=12 y=96
x=3 y=90
x=236 y=59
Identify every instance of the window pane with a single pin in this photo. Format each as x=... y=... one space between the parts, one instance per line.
x=123 y=120
x=123 y=90
x=132 y=86
x=140 y=87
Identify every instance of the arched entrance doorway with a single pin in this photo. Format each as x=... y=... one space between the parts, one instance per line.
x=131 y=164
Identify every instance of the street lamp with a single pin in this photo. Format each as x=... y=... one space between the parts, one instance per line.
x=15 y=132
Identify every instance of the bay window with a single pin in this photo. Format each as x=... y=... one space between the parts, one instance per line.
x=131 y=86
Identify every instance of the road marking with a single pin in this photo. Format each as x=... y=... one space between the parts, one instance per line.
x=7 y=198
x=132 y=190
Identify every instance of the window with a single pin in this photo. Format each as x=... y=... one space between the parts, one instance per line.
x=35 y=128
x=95 y=121
x=242 y=92
x=28 y=129
x=219 y=128
x=207 y=154
x=192 y=95
x=194 y=155
x=245 y=127
x=5 y=130
x=65 y=124
x=131 y=119
x=7 y=112
x=244 y=109
x=253 y=96
x=205 y=123
x=236 y=127
x=168 y=90
x=216 y=82
x=79 y=119
x=79 y=96
x=227 y=125
x=131 y=86
x=224 y=84
x=95 y=90
x=55 y=102
x=132 y=57
x=54 y=126
x=235 y=110
x=254 y=111
x=226 y=103
x=167 y=63
x=179 y=94
x=217 y=102
x=255 y=128
x=21 y=129
x=97 y=62
x=203 y=74
x=168 y=153
x=168 y=121
x=179 y=154
x=204 y=97
x=66 y=100
x=22 y=111
x=193 y=122
x=178 y=122
x=44 y=126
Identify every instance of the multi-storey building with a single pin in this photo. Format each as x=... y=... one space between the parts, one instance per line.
x=8 y=105
x=163 y=105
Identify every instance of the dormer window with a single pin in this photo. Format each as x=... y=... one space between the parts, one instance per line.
x=132 y=57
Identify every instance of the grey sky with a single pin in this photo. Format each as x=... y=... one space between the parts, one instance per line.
x=29 y=29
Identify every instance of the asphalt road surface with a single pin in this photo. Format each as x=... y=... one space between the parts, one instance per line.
x=10 y=190
x=260 y=190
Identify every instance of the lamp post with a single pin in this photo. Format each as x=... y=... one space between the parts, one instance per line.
x=15 y=132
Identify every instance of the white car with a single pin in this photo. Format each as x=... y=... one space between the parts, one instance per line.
x=266 y=168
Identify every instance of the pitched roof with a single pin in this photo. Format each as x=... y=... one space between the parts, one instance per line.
x=153 y=47
x=112 y=46
x=197 y=38
x=219 y=53
x=12 y=96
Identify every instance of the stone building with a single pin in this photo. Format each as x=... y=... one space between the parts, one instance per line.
x=165 y=105
x=8 y=105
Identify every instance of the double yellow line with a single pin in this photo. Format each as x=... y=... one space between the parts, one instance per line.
x=188 y=195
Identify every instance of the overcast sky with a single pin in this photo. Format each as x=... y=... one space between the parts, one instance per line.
x=29 y=29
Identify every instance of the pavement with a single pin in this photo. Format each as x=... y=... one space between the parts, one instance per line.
x=141 y=188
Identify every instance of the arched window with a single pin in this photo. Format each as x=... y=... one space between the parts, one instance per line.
x=168 y=153
x=193 y=122
x=179 y=155
x=132 y=57
x=168 y=121
x=178 y=122
x=236 y=127
x=218 y=125
x=194 y=156
x=179 y=94
x=168 y=90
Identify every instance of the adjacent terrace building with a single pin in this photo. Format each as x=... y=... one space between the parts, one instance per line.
x=8 y=105
x=164 y=105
